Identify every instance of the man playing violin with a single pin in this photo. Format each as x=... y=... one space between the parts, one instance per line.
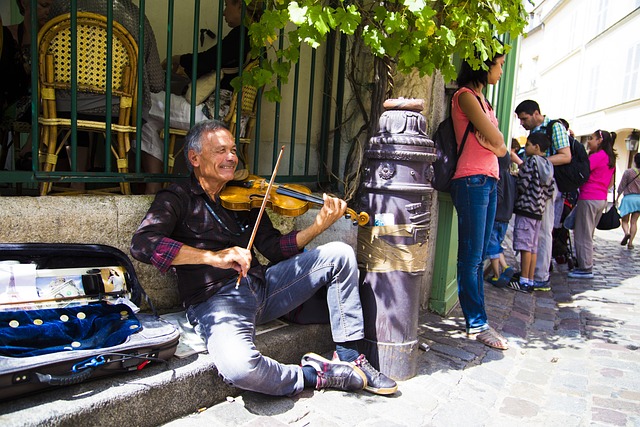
x=188 y=230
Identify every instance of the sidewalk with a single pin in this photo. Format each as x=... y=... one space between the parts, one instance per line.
x=574 y=361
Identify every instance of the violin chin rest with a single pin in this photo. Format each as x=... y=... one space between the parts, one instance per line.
x=240 y=175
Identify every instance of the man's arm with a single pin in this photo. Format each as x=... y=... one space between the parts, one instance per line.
x=236 y=257
x=332 y=210
x=562 y=157
x=489 y=136
x=560 y=141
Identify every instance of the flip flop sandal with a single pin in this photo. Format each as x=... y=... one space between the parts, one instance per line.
x=625 y=239
x=493 y=339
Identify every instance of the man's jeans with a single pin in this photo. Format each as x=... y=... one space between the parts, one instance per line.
x=475 y=199
x=227 y=319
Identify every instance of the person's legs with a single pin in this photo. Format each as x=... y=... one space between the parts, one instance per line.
x=227 y=321
x=587 y=216
x=525 y=260
x=151 y=164
x=293 y=281
x=494 y=248
x=545 y=239
x=558 y=207
x=475 y=201
x=624 y=222
x=495 y=266
x=633 y=228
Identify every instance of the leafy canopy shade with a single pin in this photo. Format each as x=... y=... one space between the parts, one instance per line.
x=413 y=34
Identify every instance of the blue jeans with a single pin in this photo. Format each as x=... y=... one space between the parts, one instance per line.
x=227 y=320
x=475 y=199
x=494 y=249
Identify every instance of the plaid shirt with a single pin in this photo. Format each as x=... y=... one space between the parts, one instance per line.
x=560 y=137
x=179 y=216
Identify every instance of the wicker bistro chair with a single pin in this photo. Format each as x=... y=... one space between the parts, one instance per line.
x=54 y=56
x=247 y=114
x=248 y=117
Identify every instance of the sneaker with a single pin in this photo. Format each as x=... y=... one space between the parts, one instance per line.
x=377 y=382
x=335 y=374
x=498 y=282
x=517 y=286
x=508 y=272
x=543 y=286
x=580 y=274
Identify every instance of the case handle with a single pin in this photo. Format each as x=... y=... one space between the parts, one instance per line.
x=74 y=378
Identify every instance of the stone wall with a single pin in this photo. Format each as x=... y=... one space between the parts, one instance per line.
x=112 y=220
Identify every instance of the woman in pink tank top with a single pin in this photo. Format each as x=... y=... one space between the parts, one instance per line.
x=473 y=191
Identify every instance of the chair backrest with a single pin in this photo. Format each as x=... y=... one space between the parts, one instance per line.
x=249 y=93
x=54 y=56
x=248 y=106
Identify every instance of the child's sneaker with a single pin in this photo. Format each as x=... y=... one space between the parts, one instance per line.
x=508 y=272
x=499 y=282
x=520 y=287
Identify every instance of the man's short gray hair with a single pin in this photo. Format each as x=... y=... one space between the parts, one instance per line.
x=193 y=140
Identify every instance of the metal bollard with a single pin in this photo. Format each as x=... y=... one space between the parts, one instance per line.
x=396 y=192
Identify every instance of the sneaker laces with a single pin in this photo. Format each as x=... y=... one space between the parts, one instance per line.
x=330 y=381
x=362 y=363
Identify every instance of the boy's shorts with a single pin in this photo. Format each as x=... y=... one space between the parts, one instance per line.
x=495 y=240
x=525 y=234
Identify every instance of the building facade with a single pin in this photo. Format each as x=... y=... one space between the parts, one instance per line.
x=580 y=60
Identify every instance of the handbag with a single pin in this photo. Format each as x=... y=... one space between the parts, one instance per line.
x=610 y=220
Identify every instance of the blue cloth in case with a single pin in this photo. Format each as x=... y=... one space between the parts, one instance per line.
x=25 y=333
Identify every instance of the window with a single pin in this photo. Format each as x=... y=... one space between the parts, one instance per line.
x=630 y=86
x=592 y=92
x=601 y=15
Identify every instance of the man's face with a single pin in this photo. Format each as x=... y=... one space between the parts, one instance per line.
x=218 y=160
x=529 y=121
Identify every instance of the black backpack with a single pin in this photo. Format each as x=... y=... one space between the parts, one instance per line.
x=569 y=177
x=444 y=140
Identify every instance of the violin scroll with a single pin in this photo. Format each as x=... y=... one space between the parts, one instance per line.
x=360 y=219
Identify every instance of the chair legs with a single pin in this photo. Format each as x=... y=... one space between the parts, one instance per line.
x=50 y=149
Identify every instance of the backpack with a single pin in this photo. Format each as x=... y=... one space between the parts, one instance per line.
x=444 y=141
x=569 y=177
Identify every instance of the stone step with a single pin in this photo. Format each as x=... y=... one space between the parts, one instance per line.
x=157 y=394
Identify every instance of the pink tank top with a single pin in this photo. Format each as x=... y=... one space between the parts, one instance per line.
x=475 y=159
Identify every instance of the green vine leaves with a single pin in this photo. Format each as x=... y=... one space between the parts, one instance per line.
x=413 y=34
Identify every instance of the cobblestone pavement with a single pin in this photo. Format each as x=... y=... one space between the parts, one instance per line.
x=574 y=360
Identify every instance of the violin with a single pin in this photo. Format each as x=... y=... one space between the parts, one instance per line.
x=287 y=199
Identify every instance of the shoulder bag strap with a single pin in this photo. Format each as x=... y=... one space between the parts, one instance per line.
x=627 y=184
x=469 y=127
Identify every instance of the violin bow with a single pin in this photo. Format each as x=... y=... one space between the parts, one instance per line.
x=262 y=207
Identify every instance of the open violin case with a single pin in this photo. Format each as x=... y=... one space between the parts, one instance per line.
x=69 y=313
